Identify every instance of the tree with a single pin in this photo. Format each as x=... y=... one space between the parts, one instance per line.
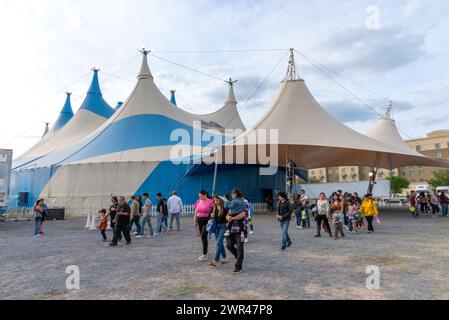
x=399 y=183
x=440 y=178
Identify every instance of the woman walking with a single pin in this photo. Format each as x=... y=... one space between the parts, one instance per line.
x=236 y=223
x=323 y=210
x=369 y=210
x=203 y=208
x=44 y=216
x=284 y=217
x=219 y=213
x=37 y=217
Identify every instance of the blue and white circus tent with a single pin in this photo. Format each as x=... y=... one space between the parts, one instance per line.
x=134 y=151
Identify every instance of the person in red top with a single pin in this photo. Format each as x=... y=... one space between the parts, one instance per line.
x=413 y=205
x=103 y=224
x=444 y=204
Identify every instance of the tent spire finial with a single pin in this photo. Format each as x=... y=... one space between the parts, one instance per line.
x=291 y=71
x=231 y=95
x=173 y=97
x=145 y=72
x=47 y=129
x=389 y=113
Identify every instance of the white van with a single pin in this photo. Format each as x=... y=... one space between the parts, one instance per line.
x=443 y=189
x=422 y=188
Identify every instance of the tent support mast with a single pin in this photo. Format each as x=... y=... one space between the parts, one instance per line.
x=391 y=178
x=373 y=174
x=290 y=179
x=214 y=185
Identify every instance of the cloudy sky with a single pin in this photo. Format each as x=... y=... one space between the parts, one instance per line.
x=49 y=46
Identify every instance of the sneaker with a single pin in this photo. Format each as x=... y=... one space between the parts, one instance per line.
x=283 y=249
x=318 y=236
x=157 y=234
x=227 y=233
x=203 y=258
x=139 y=236
x=289 y=245
x=113 y=244
x=251 y=232
x=150 y=236
x=246 y=240
x=128 y=243
x=136 y=233
x=213 y=263
x=223 y=261
x=237 y=271
x=298 y=227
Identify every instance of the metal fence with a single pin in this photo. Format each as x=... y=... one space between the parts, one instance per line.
x=187 y=210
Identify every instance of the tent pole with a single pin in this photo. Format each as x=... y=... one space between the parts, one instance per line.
x=373 y=174
x=391 y=177
x=214 y=185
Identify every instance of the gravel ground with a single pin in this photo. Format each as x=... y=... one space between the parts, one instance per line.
x=413 y=257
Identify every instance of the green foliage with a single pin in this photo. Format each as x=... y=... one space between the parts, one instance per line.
x=440 y=178
x=399 y=183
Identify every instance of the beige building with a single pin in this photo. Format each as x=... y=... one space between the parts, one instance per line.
x=435 y=145
x=346 y=174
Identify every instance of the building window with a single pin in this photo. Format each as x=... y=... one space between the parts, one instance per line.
x=352 y=170
x=343 y=170
x=438 y=155
x=329 y=171
x=421 y=173
x=321 y=172
x=412 y=173
x=418 y=148
x=437 y=145
x=362 y=170
x=312 y=172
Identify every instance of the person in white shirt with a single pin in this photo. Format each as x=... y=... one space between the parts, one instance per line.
x=174 y=205
x=147 y=212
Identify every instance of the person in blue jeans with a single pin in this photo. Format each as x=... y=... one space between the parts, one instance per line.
x=285 y=210
x=38 y=210
x=219 y=213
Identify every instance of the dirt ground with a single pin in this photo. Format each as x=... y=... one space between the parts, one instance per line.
x=413 y=257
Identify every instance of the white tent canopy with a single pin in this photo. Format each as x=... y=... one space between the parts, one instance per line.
x=309 y=136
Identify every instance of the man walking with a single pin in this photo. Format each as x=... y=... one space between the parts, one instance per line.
x=146 y=216
x=161 y=214
x=174 y=206
x=284 y=217
x=122 y=222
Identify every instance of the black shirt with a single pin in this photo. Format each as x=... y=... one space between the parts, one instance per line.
x=113 y=211
x=123 y=220
x=162 y=204
x=285 y=210
x=221 y=219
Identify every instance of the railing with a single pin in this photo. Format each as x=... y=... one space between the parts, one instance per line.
x=187 y=210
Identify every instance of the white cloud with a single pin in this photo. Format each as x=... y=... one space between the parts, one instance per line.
x=49 y=43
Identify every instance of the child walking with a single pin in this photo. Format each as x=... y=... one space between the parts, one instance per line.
x=337 y=220
x=103 y=224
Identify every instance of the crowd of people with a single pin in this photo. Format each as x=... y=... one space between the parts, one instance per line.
x=230 y=219
x=429 y=203
x=341 y=211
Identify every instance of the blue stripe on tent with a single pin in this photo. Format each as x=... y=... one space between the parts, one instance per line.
x=32 y=181
x=168 y=177
x=127 y=134
x=65 y=116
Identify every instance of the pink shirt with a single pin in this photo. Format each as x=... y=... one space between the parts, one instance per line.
x=203 y=208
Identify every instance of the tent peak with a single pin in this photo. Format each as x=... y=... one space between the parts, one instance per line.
x=173 y=97
x=231 y=95
x=389 y=113
x=291 y=71
x=47 y=129
x=145 y=72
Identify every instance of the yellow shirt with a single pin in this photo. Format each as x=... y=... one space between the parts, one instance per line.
x=369 y=208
